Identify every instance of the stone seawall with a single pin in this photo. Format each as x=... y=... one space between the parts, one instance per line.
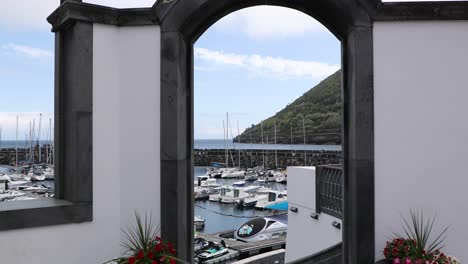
x=253 y=158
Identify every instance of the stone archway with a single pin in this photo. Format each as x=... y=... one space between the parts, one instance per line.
x=182 y=22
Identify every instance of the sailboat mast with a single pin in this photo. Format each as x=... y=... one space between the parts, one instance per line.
x=263 y=149
x=292 y=157
x=16 y=143
x=30 y=142
x=39 y=137
x=49 y=146
x=225 y=145
x=276 y=151
x=238 y=141
x=303 y=131
x=251 y=151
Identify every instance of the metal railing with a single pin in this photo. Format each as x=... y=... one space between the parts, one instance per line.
x=329 y=190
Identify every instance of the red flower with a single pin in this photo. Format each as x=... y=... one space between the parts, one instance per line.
x=170 y=245
x=158 y=248
x=131 y=260
x=150 y=255
x=154 y=262
x=172 y=251
x=408 y=261
x=172 y=261
x=140 y=254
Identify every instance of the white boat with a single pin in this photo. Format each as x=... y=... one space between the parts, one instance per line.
x=282 y=179
x=210 y=183
x=16 y=177
x=233 y=173
x=201 y=194
x=37 y=177
x=215 y=197
x=200 y=179
x=252 y=200
x=21 y=198
x=213 y=252
x=234 y=195
x=36 y=187
x=274 y=197
x=7 y=195
x=199 y=222
x=17 y=182
x=261 y=228
x=239 y=184
x=251 y=176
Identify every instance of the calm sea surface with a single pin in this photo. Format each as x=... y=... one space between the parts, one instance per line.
x=220 y=217
x=220 y=144
x=211 y=144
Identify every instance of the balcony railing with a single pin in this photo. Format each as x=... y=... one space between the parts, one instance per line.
x=329 y=190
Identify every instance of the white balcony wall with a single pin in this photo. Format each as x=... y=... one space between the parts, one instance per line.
x=307 y=236
x=126 y=172
x=421 y=127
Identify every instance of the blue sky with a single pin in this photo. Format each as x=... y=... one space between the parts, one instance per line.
x=250 y=64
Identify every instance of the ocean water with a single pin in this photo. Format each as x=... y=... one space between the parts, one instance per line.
x=220 y=144
x=220 y=217
x=209 y=144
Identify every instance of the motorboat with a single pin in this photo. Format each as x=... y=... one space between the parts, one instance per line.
x=201 y=194
x=239 y=184
x=199 y=222
x=274 y=197
x=233 y=173
x=36 y=187
x=37 y=176
x=282 y=179
x=251 y=176
x=21 y=198
x=250 y=202
x=210 y=183
x=10 y=194
x=262 y=228
x=17 y=182
x=16 y=177
x=201 y=244
x=212 y=252
x=233 y=194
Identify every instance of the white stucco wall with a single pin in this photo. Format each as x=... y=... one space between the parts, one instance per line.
x=307 y=236
x=125 y=154
x=421 y=127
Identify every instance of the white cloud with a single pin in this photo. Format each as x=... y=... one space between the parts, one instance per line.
x=27 y=51
x=8 y=124
x=266 y=22
x=272 y=66
x=31 y=14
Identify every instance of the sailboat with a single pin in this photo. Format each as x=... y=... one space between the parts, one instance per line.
x=234 y=172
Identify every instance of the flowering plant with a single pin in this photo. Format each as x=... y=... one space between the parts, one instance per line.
x=405 y=251
x=144 y=246
x=416 y=247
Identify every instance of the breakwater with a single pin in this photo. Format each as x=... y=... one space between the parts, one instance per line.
x=253 y=158
x=8 y=155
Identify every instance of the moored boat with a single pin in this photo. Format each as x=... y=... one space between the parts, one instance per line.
x=262 y=228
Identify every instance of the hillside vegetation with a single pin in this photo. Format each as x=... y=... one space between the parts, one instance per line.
x=320 y=109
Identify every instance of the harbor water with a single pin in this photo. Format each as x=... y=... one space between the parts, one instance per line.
x=220 y=217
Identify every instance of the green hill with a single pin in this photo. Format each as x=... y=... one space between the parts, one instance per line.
x=321 y=109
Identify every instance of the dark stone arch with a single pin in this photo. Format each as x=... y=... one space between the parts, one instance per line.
x=182 y=22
